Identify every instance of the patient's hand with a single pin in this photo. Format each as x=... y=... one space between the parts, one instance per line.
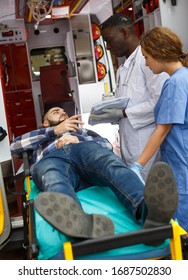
x=65 y=140
x=70 y=124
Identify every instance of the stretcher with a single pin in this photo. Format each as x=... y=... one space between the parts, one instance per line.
x=46 y=242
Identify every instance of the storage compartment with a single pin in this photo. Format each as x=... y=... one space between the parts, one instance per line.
x=21 y=112
x=86 y=72
x=82 y=43
x=83 y=47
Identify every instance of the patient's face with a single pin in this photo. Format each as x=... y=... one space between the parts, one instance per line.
x=55 y=116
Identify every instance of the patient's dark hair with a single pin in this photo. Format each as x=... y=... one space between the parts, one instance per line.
x=48 y=107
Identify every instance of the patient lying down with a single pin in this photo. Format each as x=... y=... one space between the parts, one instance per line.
x=67 y=158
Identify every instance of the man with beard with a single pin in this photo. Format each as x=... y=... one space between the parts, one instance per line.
x=67 y=158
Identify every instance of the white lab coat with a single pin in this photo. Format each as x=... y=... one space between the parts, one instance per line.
x=137 y=82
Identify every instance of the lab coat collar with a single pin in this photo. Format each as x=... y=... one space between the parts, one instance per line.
x=131 y=57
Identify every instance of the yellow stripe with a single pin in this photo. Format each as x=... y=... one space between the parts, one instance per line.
x=68 y=254
x=28 y=185
x=2 y=215
x=30 y=16
x=175 y=242
x=106 y=88
x=73 y=9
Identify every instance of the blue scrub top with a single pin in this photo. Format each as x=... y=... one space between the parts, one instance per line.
x=172 y=108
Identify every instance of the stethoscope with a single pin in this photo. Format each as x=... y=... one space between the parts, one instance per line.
x=129 y=71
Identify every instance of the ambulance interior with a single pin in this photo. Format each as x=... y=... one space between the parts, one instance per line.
x=48 y=48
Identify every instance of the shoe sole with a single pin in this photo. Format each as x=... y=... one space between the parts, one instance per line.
x=160 y=195
x=65 y=214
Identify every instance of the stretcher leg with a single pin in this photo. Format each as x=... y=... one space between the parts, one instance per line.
x=175 y=241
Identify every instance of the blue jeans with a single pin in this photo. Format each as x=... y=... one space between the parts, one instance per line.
x=78 y=166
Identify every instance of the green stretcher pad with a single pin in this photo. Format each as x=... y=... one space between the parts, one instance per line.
x=99 y=200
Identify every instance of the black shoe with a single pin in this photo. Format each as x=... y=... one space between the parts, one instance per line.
x=161 y=196
x=65 y=214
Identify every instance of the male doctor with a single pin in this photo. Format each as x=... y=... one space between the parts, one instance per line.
x=136 y=82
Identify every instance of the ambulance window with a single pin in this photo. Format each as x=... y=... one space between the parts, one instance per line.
x=46 y=56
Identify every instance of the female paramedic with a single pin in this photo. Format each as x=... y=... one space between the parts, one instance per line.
x=162 y=50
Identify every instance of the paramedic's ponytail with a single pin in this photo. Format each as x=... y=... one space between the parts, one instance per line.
x=184 y=59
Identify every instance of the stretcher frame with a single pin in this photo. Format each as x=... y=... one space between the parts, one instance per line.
x=178 y=236
x=173 y=231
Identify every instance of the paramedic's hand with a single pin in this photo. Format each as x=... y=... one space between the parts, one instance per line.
x=66 y=139
x=137 y=168
x=70 y=124
x=108 y=114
